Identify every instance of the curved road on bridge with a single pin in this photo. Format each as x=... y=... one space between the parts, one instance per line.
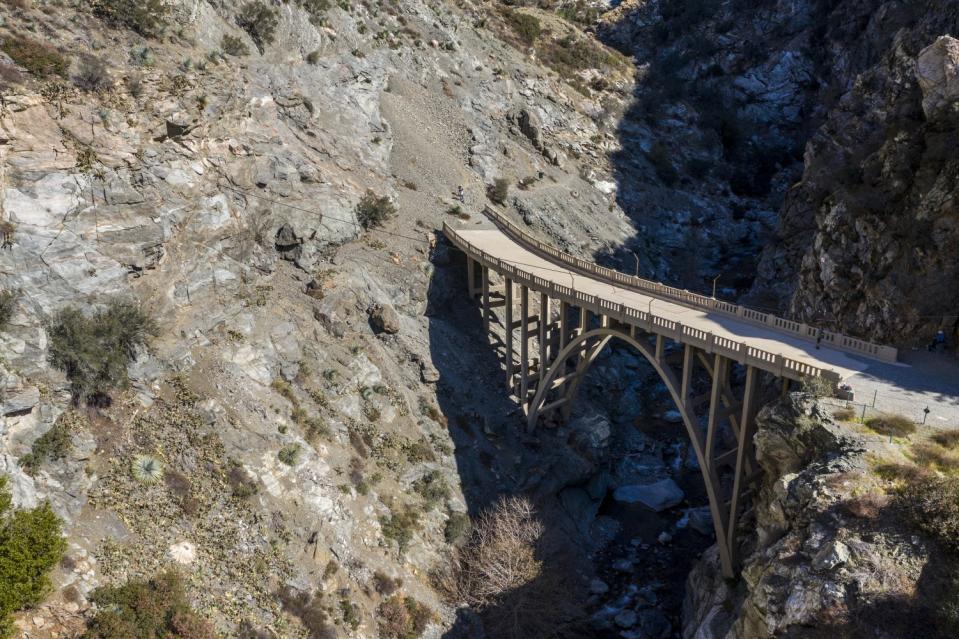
x=902 y=387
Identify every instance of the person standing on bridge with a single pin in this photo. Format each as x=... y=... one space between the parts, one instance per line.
x=938 y=342
x=819 y=335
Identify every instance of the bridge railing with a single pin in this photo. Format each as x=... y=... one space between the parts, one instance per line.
x=796 y=329
x=710 y=342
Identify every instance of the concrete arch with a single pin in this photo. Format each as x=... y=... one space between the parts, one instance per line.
x=602 y=336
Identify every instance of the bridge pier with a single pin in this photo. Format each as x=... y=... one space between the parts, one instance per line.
x=509 y=332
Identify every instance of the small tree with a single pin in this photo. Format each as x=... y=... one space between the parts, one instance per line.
x=498 y=190
x=94 y=350
x=8 y=302
x=373 y=210
x=234 y=46
x=526 y=26
x=30 y=546
x=146 y=17
x=260 y=21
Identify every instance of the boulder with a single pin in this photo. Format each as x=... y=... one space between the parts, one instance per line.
x=532 y=128
x=701 y=520
x=384 y=319
x=832 y=554
x=657 y=496
x=626 y=619
x=937 y=70
x=20 y=401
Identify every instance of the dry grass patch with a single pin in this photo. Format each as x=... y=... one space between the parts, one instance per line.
x=947 y=438
x=936 y=457
x=844 y=414
x=868 y=506
x=891 y=425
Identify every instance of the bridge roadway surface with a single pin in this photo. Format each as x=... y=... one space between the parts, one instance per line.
x=919 y=380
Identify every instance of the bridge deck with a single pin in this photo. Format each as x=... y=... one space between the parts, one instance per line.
x=501 y=246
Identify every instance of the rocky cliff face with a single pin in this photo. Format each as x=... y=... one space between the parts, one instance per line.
x=834 y=114
x=868 y=236
x=212 y=173
x=831 y=553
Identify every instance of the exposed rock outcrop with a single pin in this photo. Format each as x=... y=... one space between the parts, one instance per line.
x=831 y=557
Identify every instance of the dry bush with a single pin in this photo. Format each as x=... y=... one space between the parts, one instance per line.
x=931 y=504
x=935 y=456
x=497 y=573
x=403 y=618
x=38 y=58
x=894 y=471
x=892 y=425
x=947 y=438
x=92 y=75
x=844 y=414
x=867 y=506
x=500 y=554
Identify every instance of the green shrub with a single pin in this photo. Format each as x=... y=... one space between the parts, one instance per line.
x=30 y=546
x=94 y=350
x=892 y=425
x=817 y=387
x=432 y=487
x=400 y=526
x=38 y=58
x=154 y=609
x=313 y=57
x=569 y=55
x=931 y=504
x=316 y=9
x=260 y=21
x=309 y=610
x=234 y=46
x=373 y=211
x=498 y=191
x=289 y=454
x=526 y=26
x=660 y=157
x=241 y=482
x=53 y=444
x=8 y=302
x=350 y=612
x=146 y=17
x=457 y=527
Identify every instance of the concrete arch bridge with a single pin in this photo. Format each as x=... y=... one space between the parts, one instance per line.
x=556 y=313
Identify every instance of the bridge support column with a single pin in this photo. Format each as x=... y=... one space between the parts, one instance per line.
x=509 y=332
x=523 y=345
x=720 y=370
x=484 y=274
x=744 y=456
x=471 y=275
x=543 y=330
x=563 y=334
